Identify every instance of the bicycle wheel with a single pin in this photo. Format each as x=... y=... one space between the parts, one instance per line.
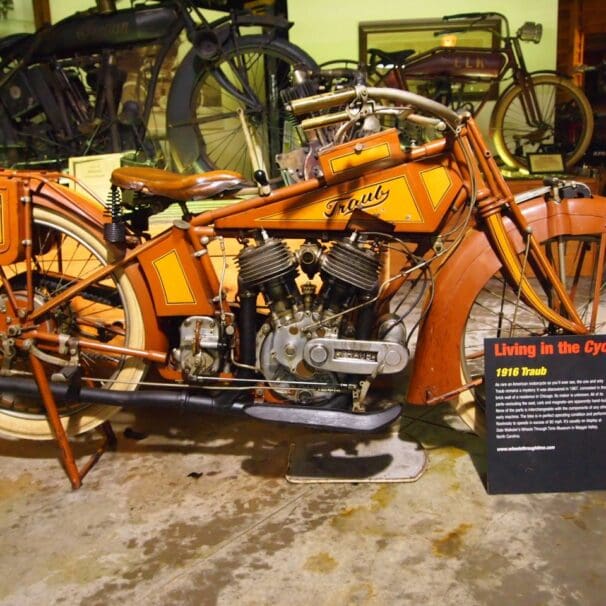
x=203 y=127
x=565 y=124
x=106 y=312
x=496 y=312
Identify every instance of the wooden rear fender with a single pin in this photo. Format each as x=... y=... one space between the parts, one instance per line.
x=437 y=360
x=52 y=195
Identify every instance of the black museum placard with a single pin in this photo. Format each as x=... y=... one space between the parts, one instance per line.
x=546 y=411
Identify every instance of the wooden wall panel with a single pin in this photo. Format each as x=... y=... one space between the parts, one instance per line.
x=593 y=17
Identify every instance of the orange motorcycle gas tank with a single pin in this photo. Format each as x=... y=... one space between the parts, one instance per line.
x=413 y=196
x=456 y=62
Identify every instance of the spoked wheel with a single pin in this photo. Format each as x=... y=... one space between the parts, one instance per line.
x=204 y=129
x=497 y=312
x=339 y=73
x=106 y=312
x=564 y=124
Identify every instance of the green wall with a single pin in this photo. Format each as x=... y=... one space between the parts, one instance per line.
x=19 y=19
x=328 y=29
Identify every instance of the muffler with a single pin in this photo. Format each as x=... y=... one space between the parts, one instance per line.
x=184 y=400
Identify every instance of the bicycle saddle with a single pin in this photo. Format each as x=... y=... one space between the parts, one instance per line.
x=392 y=58
x=157 y=182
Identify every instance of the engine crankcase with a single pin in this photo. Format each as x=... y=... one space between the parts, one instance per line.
x=280 y=356
x=355 y=357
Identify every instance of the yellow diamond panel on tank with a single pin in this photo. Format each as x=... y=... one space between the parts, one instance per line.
x=358 y=158
x=437 y=183
x=179 y=284
x=175 y=284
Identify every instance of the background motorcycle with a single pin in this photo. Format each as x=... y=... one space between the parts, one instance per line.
x=536 y=112
x=88 y=84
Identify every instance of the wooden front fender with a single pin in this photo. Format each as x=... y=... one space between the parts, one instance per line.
x=437 y=360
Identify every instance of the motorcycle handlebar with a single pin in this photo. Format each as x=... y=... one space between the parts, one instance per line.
x=334 y=99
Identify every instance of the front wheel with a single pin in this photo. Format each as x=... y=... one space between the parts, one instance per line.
x=561 y=122
x=106 y=312
x=497 y=311
x=203 y=126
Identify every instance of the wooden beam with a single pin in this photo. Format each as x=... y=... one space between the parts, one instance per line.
x=42 y=14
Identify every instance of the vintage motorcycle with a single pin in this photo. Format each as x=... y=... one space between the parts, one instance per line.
x=535 y=113
x=373 y=246
x=88 y=85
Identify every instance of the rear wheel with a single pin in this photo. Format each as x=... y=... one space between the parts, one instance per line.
x=204 y=130
x=564 y=125
x=497 y=312
x=106 y=312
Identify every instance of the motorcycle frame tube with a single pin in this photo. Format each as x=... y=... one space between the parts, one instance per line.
x=45 y=192
x=88 y=344
x=437 y=362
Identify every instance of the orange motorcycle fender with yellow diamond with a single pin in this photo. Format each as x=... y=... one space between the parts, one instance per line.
x=177 y=280
x=437 y=361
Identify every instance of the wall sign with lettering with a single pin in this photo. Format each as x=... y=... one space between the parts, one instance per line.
x=546 y=414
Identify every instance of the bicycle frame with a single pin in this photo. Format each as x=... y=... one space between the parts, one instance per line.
x=208 y=37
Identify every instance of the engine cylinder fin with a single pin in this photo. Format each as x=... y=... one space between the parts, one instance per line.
x=268 y=261
x=352 y=265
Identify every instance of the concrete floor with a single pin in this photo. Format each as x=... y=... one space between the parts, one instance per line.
x=142 y=530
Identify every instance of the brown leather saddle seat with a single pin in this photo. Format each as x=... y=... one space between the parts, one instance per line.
x=157 y=182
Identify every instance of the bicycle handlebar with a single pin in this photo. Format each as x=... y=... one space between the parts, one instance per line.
x=479 y=16
x=469 y=16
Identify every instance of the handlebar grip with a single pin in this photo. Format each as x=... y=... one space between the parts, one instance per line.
x=321 y=102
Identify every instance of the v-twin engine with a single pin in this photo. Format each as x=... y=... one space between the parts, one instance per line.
x=319 y=333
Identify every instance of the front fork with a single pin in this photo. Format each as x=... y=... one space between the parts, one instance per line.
x=530 y=103
x=560 y=311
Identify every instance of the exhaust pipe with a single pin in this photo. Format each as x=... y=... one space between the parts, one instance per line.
x=184 y=400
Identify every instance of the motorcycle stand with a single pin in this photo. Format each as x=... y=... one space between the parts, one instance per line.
x=340 y=458
x=68 y=459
